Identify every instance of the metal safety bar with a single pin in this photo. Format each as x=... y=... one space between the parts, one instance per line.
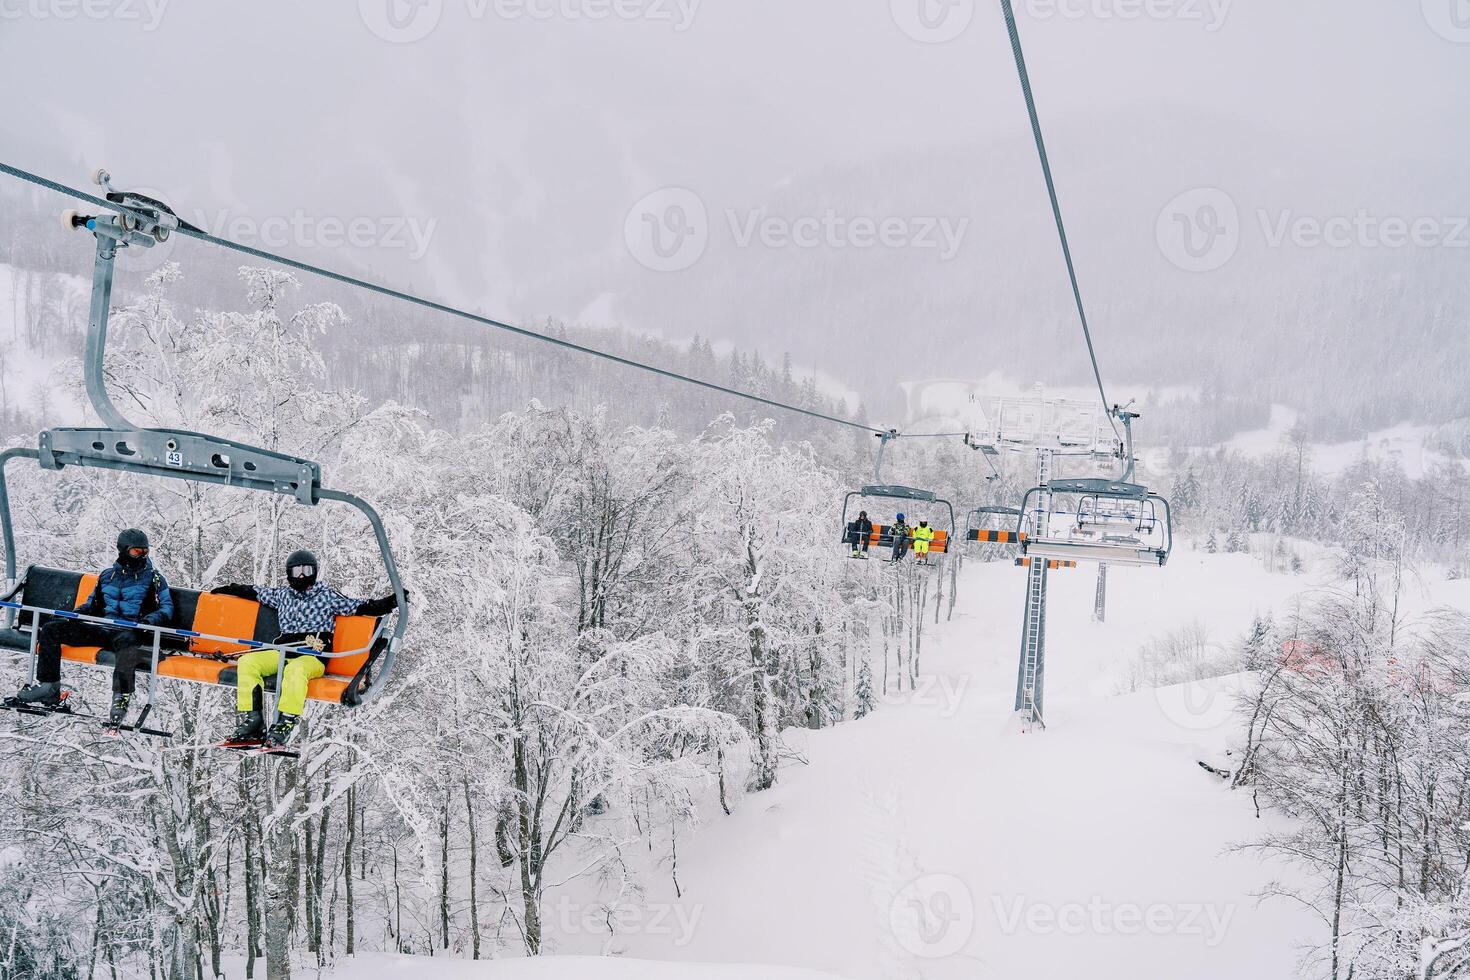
x=162 y=631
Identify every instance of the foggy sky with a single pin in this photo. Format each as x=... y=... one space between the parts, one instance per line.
x=526 y=139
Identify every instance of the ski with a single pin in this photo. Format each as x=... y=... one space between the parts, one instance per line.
x=256 y=747
x=64 y=711
x=1222 y=773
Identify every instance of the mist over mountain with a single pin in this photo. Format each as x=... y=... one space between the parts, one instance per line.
x=512 y=164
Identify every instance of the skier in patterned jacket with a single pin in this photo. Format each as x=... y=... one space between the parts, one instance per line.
x=308 y=611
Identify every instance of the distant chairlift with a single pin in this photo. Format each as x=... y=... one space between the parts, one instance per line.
x=882 y=536
x=1115 y=522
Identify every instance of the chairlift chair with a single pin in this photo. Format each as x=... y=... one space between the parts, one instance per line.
x=882 y=534
x=1113 y=522
x=218 y=626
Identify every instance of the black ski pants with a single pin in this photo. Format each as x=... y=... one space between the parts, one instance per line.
x=125 y=645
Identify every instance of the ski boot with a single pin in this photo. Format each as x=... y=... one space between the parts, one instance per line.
x=280 y=732
x=249 y=727
x=47 y=696
x=119 y=712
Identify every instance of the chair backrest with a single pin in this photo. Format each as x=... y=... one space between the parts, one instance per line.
x=352 y=632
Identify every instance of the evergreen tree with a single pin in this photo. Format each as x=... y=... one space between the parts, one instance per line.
x=865 y=700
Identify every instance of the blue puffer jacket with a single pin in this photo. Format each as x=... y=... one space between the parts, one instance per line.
x=140 y=596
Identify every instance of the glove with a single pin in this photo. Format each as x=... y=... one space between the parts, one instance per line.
x=238 y=591
x=381 y=607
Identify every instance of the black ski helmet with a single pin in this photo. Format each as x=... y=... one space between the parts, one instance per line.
x=301 y=570
x=126 y=541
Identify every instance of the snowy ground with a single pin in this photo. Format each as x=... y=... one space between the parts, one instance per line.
x=1092 y=849
x=935 y=840
x=1404 y=444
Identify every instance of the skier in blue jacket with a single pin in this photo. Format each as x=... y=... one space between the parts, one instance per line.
x=132 y=589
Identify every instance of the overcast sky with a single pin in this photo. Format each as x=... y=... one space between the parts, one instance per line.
x=515 y=135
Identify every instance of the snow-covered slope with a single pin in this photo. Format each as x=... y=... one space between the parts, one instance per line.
x=381 y=966
x=935 y=840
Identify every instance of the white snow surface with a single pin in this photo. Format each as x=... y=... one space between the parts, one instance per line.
x=1404 y=443
x=934 y=839
x=386 y=966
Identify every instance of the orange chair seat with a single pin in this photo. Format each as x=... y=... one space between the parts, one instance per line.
x=192 y=668
x=81 y=655
x=328 y=688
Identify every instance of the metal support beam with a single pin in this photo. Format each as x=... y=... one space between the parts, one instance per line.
x=1100 y=604
x=1031 y=672
x=97 y=336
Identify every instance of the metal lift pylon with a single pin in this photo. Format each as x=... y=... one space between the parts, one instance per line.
x=1031 y=672
x=1100 y=604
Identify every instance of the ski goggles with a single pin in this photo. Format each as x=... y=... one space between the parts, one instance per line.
x=301 y=571
x=138 y=552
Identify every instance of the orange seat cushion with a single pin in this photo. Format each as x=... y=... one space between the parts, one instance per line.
x=81 y=655
x=328 y=688
x=192 y=668
x=223 y=615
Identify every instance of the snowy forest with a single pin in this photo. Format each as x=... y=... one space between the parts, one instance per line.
x=610 y=623
x=613 y=625
x=924 y=490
